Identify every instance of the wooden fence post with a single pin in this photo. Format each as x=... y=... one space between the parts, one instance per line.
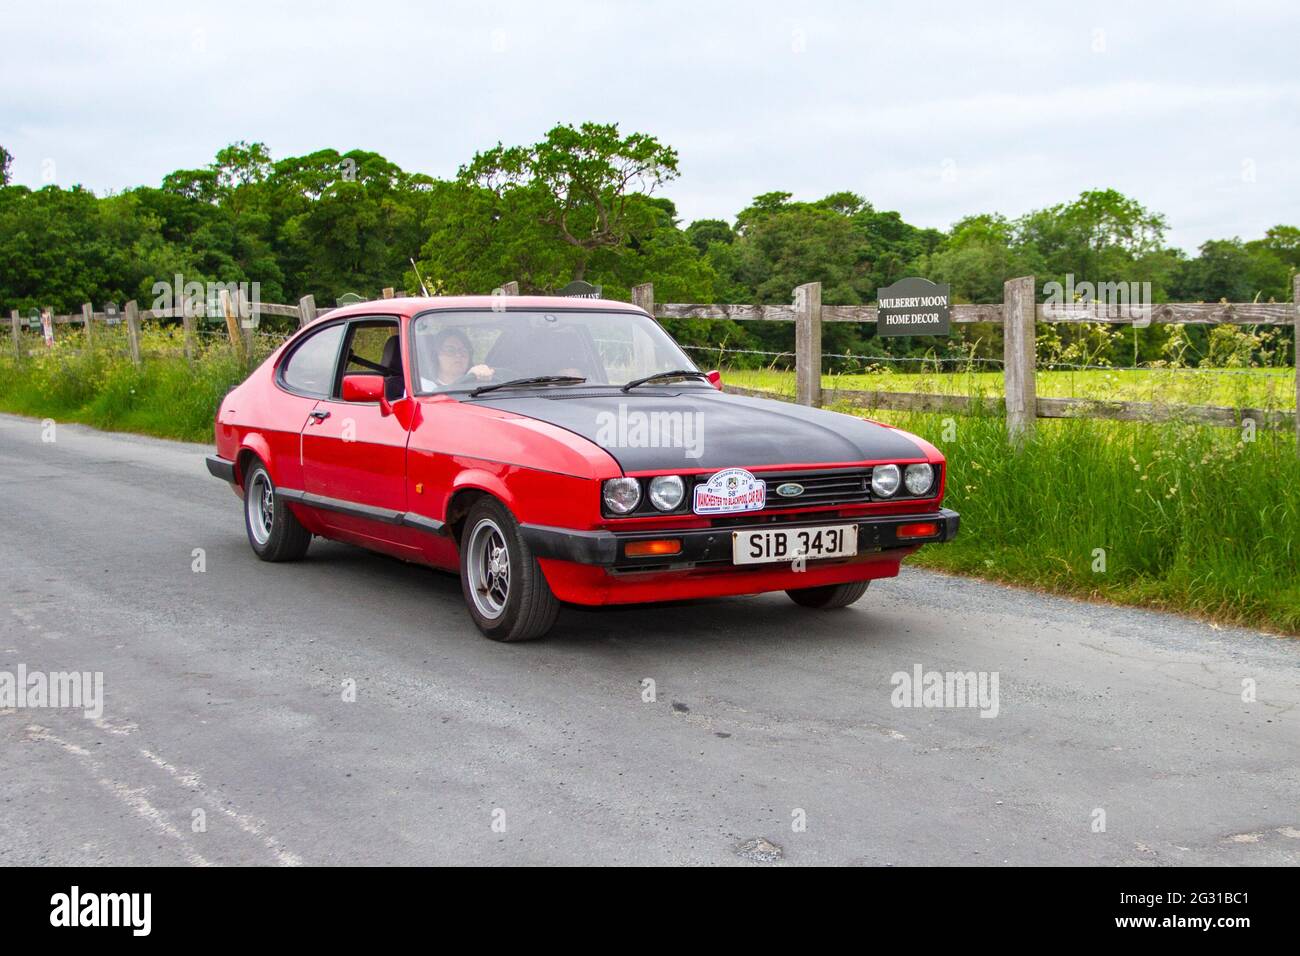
x=1295 y=356
x=187 y=330
x=306 y=310
x=47 y=318
x=644 y=296
x=15 y=323
x=133 y=331
x=244 y=312
x=88 y=317
x=1019 y=358
x=808 y=344
x=232 y=325
x=388 y=293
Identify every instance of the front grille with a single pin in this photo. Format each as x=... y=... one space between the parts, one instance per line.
x=838 y=486
x=822 y=488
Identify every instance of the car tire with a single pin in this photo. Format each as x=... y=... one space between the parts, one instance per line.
x=829 y=596
x=273 y=530
x=505 y=590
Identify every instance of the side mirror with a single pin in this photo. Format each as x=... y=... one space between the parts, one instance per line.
x=366 y=388
x=363 y=388
x=715 y=379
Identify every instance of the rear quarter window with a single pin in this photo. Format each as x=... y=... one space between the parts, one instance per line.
x=310 y=368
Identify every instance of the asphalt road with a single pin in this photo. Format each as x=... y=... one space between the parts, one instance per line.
x=223 y=693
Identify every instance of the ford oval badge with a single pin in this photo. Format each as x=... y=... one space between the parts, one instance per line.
x=791 y=489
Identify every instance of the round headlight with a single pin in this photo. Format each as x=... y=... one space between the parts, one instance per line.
x=621 y=494
x=667 y=492
x=885 y=479
x=918 y=478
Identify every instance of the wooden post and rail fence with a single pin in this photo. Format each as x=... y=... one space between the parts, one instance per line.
x=1018 y=314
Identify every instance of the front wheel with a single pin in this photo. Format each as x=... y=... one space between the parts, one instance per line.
x=273 y=530
x=829 y=596
x=505 y=590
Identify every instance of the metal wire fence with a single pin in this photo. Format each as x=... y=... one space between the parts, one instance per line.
x=1167 y=383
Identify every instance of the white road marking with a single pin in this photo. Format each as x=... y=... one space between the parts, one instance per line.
x=135 y=798
x=185 y=778
x=251 y=825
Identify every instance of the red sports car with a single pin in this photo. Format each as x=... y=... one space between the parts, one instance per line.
x=563 y=450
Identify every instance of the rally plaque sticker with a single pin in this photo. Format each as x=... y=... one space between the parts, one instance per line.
x=729 y=491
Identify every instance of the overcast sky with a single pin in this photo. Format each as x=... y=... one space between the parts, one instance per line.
x=938 y=111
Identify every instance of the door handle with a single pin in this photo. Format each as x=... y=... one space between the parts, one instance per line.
x=319 y=415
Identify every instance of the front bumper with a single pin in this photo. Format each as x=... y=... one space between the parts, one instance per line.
x=712 y=546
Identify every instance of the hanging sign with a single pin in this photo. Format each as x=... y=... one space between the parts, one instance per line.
x=577 y=289
x=913 y=307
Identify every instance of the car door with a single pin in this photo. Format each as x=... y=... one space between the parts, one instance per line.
x=353 y=454
x=304 y=377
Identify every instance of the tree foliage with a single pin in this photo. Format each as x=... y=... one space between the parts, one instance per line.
x=584 y=202
x=581 y=183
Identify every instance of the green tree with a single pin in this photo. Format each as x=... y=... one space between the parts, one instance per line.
x=1098 y=237
x=704 y=232
x=346 y=222
x=976 y=258
x=63 y=247
x=1233 y=270
x=579 y=181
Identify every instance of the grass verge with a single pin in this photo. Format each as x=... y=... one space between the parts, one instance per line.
x=166 y=396
x=1172 y=516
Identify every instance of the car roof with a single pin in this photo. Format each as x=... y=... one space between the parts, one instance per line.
x=414 y=305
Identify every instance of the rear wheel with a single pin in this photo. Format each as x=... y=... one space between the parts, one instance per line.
x=829 y=596
x=273 y=531
x=505 y=590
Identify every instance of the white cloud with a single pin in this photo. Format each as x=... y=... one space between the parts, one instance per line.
x=758 y=96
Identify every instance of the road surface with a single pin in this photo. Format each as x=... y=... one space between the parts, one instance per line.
x=1121 y=736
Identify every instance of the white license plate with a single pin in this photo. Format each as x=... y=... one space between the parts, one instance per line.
x=789 y=544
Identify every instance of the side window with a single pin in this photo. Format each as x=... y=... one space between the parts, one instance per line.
x=375 y=348
x=310 y=369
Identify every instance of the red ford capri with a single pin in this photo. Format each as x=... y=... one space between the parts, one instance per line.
x=558 y=450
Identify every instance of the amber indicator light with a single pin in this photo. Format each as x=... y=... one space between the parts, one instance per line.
x=657 y=546
x=921 y=529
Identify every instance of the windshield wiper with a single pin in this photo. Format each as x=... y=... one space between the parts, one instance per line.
x=661 y=376
x=535 y=380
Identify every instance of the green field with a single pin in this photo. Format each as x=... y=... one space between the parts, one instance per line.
x=1238 y=388
x=1174 y=516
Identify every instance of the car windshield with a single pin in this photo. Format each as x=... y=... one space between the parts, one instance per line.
x=458 y=351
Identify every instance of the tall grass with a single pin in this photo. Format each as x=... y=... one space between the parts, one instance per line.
x=166 y=396
x=1168 y=515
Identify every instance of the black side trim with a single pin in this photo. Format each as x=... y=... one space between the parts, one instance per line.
x=220 y=468
x=406 y=519
x=421 y=523
x=713 y=545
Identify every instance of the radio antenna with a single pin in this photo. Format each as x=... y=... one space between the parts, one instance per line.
x=423 y=288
